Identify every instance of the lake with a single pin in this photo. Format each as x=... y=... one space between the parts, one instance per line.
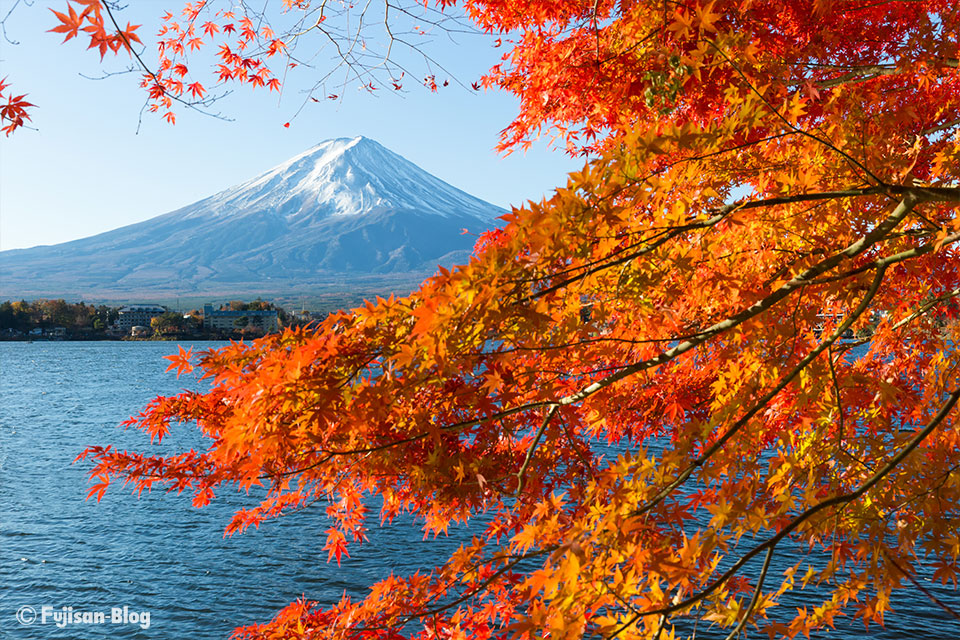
x=163 y=560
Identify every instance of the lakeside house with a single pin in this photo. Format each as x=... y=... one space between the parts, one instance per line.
x=136 y=315
x=266 y=320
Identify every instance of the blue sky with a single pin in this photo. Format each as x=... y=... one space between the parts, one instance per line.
x=86 y=169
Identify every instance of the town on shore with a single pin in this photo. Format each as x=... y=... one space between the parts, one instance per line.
x=44 y=319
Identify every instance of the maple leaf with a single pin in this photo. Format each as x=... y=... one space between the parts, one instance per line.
x=336 y=544
x=181 y=361
x=129 y=33
x=14 y=111
x=70 y=23
x=100 y=488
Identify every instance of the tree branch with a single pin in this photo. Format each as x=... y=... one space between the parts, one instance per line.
x=921 y=588
x=521 y=473
x=844 y=499
x=756 y=596
x=766 y=398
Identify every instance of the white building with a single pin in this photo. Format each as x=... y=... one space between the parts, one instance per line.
x=266 y=320
x=137 y=315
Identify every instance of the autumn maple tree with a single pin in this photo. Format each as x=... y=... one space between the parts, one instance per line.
x=726 y=346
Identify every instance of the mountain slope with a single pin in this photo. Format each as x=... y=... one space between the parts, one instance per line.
x=346 y=210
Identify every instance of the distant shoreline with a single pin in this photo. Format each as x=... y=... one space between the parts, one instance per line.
x=124 y=339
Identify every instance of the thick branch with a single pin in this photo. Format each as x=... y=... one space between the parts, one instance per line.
x=719 y=213
x=796 y=283
x=882 y=229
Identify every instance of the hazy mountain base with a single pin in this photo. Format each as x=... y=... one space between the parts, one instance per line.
x=338 y=292
x=153 y=258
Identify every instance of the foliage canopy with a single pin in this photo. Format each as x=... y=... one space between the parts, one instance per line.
x=642 y=382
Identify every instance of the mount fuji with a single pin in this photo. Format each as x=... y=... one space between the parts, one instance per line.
x=346 y=212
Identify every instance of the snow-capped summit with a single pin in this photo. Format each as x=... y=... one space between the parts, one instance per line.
x=344 y=209
x=345 y=177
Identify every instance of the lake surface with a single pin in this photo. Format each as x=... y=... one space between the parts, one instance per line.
x=158 y=554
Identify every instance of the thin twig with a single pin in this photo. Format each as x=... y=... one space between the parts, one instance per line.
x=922 y=589
x=756 y=596
x=521 y=473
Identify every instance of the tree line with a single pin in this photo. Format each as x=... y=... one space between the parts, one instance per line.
x=79 y=320
x=77 y=317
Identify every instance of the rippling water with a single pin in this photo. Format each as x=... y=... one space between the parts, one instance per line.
x=157 y=553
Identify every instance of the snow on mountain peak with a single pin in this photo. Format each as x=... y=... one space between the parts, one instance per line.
x=347 y=208
x=345 y=177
